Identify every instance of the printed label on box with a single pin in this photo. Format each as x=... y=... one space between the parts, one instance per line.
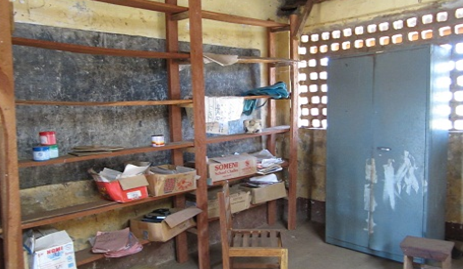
x=134 y=195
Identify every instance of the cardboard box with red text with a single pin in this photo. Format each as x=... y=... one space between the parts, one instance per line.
x=223 y=168
x=54 y=250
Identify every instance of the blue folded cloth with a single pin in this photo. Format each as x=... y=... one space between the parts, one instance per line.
x=275 y=91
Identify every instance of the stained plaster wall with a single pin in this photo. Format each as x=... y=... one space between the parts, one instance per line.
x=312 y=142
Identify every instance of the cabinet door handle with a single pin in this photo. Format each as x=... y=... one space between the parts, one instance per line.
x=383 y=148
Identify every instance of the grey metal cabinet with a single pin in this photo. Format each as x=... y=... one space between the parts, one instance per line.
x=386 y=149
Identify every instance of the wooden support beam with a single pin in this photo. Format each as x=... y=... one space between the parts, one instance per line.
x=293 y=134
x=198 y=90
x=175 y=120
x=303 y=16
x=9 y=178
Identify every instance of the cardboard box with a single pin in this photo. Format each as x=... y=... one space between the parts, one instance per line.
x=125 y=189
x=223 y=168
x=267 y=193
x=160 y=184
x=173 y=225
x=54 y=250
x=239 y=200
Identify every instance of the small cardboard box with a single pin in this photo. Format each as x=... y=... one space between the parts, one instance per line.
x=239 y=200
x=54 y=250
x=173 y=225
x=223 y=168
x=160 y=184
x=267 y=193
x=125 y=189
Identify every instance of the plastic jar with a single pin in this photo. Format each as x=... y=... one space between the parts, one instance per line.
x=54 y=153
x=41 y=153
x=47 y=138
x=157 y=140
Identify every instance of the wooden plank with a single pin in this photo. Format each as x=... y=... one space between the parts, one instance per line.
x=271 y=212
x=9 y=178
x=146 y=5
x=241 y=20
x=293 y=134
x=42 y=44
x=82 y=210
x=198 y=91
x=255 y=240
x=271 y=108
x=105 y=104
x=245 y=241
x=216 y=16
x=302 y=19
x=250 y=97
x=280 y=61
x=274 y=239
x=175 y=120
x=265 y=238
x=264 y=132
x=129 y=151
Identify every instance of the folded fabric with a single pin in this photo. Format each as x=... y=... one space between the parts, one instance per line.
x=276 y=91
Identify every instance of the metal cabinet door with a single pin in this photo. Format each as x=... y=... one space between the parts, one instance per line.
x=401 y=89
x=349 y=140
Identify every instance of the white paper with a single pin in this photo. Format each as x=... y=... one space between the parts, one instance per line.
x=271 y=178
x=133 y=170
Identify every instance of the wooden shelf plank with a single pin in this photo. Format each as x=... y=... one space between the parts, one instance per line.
x=267 y=131
x=107 y=104
x=71 y=158
x=183 y=13
x=216 y=16
x=147 y=5
x=82 y=210
x=244 y=97
x=251 y=59
x=95 y=50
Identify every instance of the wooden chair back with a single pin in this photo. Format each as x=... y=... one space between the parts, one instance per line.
x=247 y=242
x=225 y=219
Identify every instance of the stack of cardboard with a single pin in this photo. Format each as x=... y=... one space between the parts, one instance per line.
x=116 y=244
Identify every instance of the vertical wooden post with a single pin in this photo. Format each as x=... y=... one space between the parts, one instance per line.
x=175 y=120
x=197 y=76
x=271 y=118
x=293 y=135
x=9 y=178
x=271 y=73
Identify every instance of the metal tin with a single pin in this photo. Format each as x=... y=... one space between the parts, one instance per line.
x=157 y=140
x=41 y=153
x=54 y=153
x=47 y=138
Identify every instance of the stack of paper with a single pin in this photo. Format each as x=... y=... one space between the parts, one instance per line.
x=261 y=181
x=266 y=162
x=110 y=175
x=116 y=244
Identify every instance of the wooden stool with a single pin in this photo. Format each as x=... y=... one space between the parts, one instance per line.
x=431 y=249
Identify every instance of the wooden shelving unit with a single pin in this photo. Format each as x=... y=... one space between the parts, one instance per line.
x=12 y=221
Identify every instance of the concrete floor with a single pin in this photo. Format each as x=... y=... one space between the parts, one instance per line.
x=307 y=249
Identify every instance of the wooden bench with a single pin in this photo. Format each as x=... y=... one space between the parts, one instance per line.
x=430 y=249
